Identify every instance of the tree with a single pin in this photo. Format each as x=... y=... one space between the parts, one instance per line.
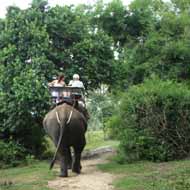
x=24 y=72
x=36 y=44
x=77 y=48
x=163 y=51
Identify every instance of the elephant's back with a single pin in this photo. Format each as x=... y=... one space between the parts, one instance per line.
x=48 y=116
x=61 y=109
x=66 y=113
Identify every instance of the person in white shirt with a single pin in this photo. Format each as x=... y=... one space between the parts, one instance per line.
x=81 y=102
x=76 y=82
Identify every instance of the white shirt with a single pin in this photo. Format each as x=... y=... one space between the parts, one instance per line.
x=76 y=83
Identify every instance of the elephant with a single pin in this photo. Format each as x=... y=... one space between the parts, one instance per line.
x=66 y=126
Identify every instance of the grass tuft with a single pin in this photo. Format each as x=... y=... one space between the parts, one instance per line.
x=150 y=176
x=31 y=177
x=95 y=139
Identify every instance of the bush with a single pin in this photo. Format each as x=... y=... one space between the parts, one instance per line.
x=154 y=121
x=11 y=154
x=111 y=126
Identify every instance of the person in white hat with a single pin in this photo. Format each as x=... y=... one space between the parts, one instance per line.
x=76 y=82
x=79 y=84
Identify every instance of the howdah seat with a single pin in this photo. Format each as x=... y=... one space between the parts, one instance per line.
x=66 y=94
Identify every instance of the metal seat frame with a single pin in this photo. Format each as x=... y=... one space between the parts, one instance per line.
x=68 y=93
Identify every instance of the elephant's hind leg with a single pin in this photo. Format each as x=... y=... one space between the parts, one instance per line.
x=65 y=161
x=64 y=169
x=69 y=158
x=77 y=157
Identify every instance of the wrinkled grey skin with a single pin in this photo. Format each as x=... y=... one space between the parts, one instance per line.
x=66 y=135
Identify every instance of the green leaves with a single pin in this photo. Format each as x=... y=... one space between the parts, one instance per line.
x=36 y=44
x=153 y=121
x=108 y=44
x=24 y=73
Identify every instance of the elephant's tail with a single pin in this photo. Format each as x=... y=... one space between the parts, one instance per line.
x=59 y=141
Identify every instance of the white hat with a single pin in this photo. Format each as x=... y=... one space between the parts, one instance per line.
x=76 y=76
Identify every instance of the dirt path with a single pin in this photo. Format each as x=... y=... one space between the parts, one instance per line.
x=90 y=179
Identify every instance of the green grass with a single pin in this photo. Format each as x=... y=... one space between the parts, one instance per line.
x=33 y=177
x=136 y=176
x=95 y=139
x=150 y=176
x=37 y=174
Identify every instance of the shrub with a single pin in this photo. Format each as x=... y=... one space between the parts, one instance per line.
x=11 y=154
x=154 y=121
x=111 y=126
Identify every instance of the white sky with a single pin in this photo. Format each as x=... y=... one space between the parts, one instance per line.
x=23 y=4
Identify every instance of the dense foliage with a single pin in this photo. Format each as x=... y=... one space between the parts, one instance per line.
x=106 y=44
x=35 y=45
x=24 y=71
x=154 y=121
x=100 y=105
x=11 y=154
x=158 y=46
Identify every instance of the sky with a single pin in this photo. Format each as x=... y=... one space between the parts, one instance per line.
x=23 y=4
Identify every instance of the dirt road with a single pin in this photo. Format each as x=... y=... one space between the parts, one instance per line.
x=90 y=179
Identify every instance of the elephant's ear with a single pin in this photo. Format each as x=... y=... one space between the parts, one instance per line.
x=87 y=115
x=82 y=109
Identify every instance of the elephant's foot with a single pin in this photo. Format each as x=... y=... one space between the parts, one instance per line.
x=76 y=170
x=63 y=175
x=69 y=166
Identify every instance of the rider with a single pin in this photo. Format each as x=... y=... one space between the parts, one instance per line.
x=59 y=82
x=76 y=82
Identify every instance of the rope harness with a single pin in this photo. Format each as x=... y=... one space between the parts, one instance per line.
x=70 y=115
x=61 y=131
x=57 y=116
